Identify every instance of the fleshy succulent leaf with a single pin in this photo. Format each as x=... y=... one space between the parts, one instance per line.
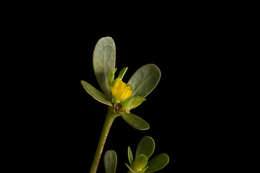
x=146 y=146
x=157 y=163
x=130 y=155
x=130 y=169
x=111 y=76
x=133 y=102
x=104 y=59
x=140 y=163
x=144 y=170
x=144 y=80
x=96 y=94
x=135 y=121
x=122 y=73
x=110 y=161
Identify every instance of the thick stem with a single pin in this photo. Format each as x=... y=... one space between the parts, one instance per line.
x=110 y=117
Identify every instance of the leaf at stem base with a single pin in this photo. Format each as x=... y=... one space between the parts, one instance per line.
x=110 y=161
x=135 y=121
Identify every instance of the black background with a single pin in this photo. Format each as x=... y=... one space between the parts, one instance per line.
x=185 y=111
x=194 y=112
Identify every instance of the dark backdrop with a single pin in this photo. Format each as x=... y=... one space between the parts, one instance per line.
x=185 y=110
x=192 y=112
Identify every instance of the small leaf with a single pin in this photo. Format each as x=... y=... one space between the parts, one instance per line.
x=122 y=73
x=111 y=76
x=158 y=163
x=130 y=155
x=144 y=170
x=140 y=163
x=130 y=169
x=135 y=121
x=96 y=94
x=144 y=80
x=146 y=146
x=104 y=60
x=110 y=161
x=133 y=102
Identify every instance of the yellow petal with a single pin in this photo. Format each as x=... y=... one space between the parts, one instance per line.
x=121 y=91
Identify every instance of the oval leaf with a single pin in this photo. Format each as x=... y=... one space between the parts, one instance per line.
x=140 y=163
x=158 y=163
x=96 y=94
x=122 y=73
x=110 y=161
x=104 y=60
x=135 y=121
x=130 y=169
x=130 y=155
x=145 y=79
x=146 y=146
x=133 y=102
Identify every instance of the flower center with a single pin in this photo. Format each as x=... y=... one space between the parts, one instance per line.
x=121 y=91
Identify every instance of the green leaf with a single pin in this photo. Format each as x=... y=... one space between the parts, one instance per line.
x=111 y=76
x=140 y=163
x=104 y=60
x=144 y=170
x=145 y=79
x=130 y=169
x=146 y=146
x=96 y=94
x=110 y=161
x=122 y=73
x=130 y=155
x=135 y=121
x=157 y=163
x=133 y=102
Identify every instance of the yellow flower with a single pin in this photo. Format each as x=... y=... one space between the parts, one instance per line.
x=121 y=91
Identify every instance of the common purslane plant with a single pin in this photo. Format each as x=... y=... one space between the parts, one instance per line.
x=121 y=98
x=141 y=163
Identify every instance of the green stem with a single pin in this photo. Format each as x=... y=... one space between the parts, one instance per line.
x=110 y=117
